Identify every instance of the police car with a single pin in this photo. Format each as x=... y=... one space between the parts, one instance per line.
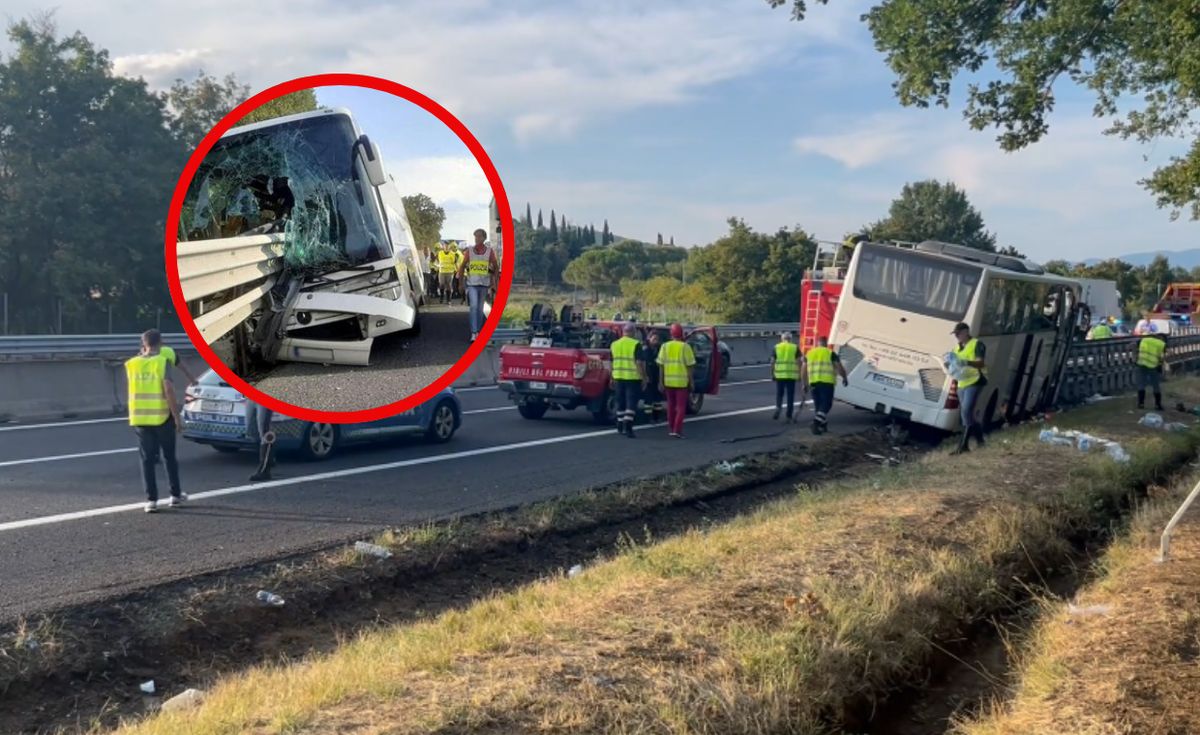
x=214 y=413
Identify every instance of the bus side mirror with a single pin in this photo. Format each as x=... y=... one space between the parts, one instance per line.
x=372 y=162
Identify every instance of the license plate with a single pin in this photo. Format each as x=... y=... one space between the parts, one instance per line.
x=537 y=386
x=216 y=418
x=540 y=342
x=213 y=406
x=887 y=380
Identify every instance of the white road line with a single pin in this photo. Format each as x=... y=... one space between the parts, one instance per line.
x=352 y=471
x=748 y=367
x=61 y=423
x=55 y=458
x=490 y=410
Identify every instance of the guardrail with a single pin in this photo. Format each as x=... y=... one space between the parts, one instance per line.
x=243 y=267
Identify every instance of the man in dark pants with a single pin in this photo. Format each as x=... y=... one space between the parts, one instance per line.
x=651 y=395
x=1151 y=349
x=628 y=377
x=818 y=372
x=972 y=356
x=154 y=416
x=785 y=370
x=260 y=418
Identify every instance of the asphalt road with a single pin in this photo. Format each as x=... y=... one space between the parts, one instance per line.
x=401 y=364
x=72 y=529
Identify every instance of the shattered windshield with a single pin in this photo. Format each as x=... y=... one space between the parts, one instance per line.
x=301 y=179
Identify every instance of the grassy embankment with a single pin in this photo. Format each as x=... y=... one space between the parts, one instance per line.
x=792 y=619
x=1124 y=657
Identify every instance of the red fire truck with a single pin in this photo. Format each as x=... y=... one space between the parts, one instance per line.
x=820 y=290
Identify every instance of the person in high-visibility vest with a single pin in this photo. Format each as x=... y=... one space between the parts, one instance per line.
x=154 y=416
x=481 y=269
x=628 y=377
x=447 y=264
x=651 y=394
x=785 y=370
x=173 y=361
x=1151 y=349
x=819 y=373
x=971 y=355
x=1100 y=331
x=676 y=361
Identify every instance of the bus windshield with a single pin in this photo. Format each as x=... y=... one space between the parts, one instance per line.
x=913 y=282
x=298 y=178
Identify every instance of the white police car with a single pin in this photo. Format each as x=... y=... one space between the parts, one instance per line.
x=214 y=413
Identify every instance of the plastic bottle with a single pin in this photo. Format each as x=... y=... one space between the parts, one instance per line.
x=1117 y=452
x=1085 y=443
x=363 y=547
x=269 y=598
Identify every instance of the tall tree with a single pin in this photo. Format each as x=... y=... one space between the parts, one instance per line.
x=87 y=166
x=1140 y=59
x=672 y=243
x=528 y=216
x=660 y=240
x=426 y=219
x=304 y=100
x=931 y=210
x=562 y=227
x=605 y=237
x=553 y=226
x=200 y=104
x=539 y=222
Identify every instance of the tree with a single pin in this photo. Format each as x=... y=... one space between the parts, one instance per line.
x=304 y=100
x=931 y=210
x=426 y=219
x=660 y=240
x=672 y=243
x=539 y=222
x=200 y=104
x=553 y=226
x=87 y=165
x=1140 y=59
x=597 y=271
x=605 y=236
x=1011 y=251
x=528 y=216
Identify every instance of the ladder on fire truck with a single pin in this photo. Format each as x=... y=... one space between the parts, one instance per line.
x=829 y=267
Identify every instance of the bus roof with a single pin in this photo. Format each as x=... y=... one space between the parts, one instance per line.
x=290 y=118
x=954 y=254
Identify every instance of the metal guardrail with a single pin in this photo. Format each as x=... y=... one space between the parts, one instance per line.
x=90 y=345
x=242 y=267
x=1109 y=366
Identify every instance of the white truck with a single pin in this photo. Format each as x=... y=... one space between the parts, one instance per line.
x=294 y=244
x=1101 y=297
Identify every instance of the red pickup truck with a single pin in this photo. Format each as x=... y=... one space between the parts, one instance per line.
x=569 y=365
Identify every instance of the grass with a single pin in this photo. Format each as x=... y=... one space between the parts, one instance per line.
x=1125 y=659
x=791 y=619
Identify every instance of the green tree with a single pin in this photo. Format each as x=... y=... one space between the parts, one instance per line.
x=931 y=210
x=753 y=277
x=1141 y=60
x=87 y=166
x=528 y=216
x=304 y=100
x=197 y=106
x=1058 y=267
x=426 y=219
x=599 y=271
x=553 y=226
x=605 y=235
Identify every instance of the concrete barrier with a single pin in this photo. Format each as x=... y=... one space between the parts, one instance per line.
x=484 y=371
x=45 y=390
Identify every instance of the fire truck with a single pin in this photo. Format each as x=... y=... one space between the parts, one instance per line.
x=820 y=291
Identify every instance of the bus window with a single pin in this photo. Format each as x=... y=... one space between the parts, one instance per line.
x=916 y=283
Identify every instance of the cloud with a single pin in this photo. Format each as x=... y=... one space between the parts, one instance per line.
x=882 y=138
x=456 y=183
x=160 y=69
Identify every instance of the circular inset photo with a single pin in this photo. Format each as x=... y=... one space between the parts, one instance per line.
x=340 y=250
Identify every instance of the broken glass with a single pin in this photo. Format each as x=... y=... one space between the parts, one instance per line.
x=299 y=178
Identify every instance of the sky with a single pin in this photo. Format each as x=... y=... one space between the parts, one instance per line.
x=665 y=117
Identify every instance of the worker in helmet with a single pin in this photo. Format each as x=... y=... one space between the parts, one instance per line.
x=675 y=379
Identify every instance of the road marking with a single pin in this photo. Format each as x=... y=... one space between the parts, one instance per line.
x=61 y=423
x=352 y=471
x=12 y=462
x=490 y=410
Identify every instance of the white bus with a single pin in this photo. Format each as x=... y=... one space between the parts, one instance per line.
x=899 y=305
x=313 y=188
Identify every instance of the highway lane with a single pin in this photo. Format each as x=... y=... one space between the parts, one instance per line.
x=497 y=460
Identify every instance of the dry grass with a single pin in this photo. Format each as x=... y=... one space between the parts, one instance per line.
x=1134 y=668
x=782 y=621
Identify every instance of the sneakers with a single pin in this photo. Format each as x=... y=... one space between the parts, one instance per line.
x=151 y=507
x=178 y=500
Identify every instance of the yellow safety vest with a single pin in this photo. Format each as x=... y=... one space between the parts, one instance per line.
x=147 y=402
x=479 y=268
x=447 y=262
x=676 y=357
x=1101 y=331
x=970 y=375
x=785 y=362
x=624 y=364
x=820 y=366
x=1150 y=352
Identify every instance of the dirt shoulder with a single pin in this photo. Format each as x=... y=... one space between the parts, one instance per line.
x=798 y=617
x=1124 y=657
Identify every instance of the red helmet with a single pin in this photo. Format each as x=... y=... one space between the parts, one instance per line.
x=676 y=331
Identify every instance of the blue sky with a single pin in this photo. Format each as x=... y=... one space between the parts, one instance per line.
x=663 y=117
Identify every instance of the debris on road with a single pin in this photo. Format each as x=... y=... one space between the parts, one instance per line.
x=881 y=459
x=729 y=467
x=147 y=687
x=1088 y=610
x=575 y=571
x=1096 y=398
x=185 y=700
x=270 y=598
x=367 y=549
x=1084 y=442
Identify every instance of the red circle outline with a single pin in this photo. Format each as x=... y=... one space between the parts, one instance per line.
x=506 y=273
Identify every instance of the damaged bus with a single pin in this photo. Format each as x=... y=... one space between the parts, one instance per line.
x=294 y=244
